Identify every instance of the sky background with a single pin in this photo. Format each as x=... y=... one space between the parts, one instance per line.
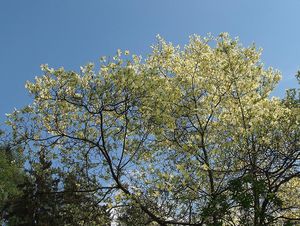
x=71 y=33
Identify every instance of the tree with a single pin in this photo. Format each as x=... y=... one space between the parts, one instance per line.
x=41 y=202
x=188 y=136
x=134 y=216
x=11 y=175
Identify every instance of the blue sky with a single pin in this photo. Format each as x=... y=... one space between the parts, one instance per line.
x=71 y=33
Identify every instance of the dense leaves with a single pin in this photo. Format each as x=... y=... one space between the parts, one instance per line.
x=185 y=137
x=10 y=175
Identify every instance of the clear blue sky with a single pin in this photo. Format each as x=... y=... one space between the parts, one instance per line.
x=71 y=33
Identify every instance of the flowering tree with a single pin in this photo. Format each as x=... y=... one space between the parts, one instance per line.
x=187 y=136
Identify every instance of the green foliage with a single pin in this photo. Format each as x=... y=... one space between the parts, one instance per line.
x=240 y=191
x=190 y=136
x=41 y=202
x=134 y=216
x=10 y=176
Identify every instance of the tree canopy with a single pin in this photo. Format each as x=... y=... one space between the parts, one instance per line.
x=186 y=136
